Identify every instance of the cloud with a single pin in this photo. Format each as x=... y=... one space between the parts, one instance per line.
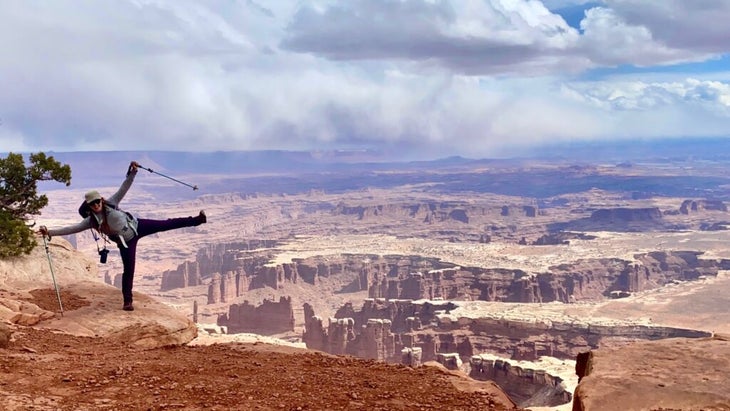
x=638 y=95
x=512 y=36
x=421 y=76
x=640 y=109
x=473 y=37
x=609 y=41
x=685 y=25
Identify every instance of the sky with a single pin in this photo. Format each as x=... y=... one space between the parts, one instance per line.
x=420 y=78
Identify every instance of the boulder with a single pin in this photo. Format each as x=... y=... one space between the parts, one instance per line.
x=22 y=312
x=151 y=324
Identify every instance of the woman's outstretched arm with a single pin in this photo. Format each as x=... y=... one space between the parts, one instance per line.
x=131 y=173
x=71 y=229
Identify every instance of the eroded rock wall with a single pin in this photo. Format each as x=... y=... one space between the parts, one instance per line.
x=225 y=288
x=270 y=317
x=623 y=214
x=413 y=277
x=527 y=387
x=588 y=279
x=529 y=340
x=427 y=325
x=186 y=274
x=428 y=212
x=694 y=206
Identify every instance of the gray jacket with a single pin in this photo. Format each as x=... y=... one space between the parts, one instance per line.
x=121 y=224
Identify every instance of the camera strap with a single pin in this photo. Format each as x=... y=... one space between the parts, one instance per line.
x=96 y=228
x=102 y=237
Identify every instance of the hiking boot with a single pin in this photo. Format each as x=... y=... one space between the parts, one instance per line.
x=128 y=307
x=201 y=218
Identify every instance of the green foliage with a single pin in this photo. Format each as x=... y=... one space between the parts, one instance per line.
x=19 y=198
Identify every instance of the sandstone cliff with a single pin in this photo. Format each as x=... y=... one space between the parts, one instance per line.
x=271 y=317
x=623 y=214
x=693 y=206
x=437 y=327
x=528 y=387
x=415 y=277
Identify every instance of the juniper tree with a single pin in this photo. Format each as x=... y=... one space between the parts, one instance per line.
x=20 y=201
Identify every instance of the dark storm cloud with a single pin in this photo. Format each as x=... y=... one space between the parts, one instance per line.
x=700 y=25
x=500 y=41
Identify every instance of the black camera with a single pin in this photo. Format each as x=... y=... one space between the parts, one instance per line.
x=102 y=255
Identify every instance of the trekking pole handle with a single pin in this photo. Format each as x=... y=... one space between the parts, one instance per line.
x=43 y=231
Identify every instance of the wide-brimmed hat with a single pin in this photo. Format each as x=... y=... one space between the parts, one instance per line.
x=92 y=196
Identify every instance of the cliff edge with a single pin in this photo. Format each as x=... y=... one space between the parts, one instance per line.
x=675 y=373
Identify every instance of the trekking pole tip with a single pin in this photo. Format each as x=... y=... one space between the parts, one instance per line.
x=195 y=188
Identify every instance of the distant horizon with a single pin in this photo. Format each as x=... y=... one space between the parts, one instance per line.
x=560 y=150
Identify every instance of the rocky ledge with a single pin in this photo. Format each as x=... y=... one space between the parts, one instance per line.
x=90 y=308
x=676 y=374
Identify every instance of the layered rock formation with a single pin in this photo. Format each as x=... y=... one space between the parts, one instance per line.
x=415 y=332
x=215 y=258
x=592 y=279
x=268 y=318
x=187 y=274
x=622 y=214
x=561 y=238
x=411 y=356
x=225 y=288
x=527 y=387
x=527 y=211
x=426 y=325
x=414 y=277
x=429 y=212
x=693 y=206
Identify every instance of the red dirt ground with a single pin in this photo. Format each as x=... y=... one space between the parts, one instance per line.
x=43 y=370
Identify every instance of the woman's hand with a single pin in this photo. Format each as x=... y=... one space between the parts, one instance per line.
x=132 y=167
x=43 y=230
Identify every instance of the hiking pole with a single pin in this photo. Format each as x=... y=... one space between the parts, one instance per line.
x=173 y=179
x=50 y=264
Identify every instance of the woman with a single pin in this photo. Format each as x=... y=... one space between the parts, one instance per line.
x=121 y=227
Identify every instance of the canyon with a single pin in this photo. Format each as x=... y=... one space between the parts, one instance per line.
x=507 y=271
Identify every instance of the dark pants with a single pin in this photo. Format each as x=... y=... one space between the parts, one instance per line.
x=144 y=228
